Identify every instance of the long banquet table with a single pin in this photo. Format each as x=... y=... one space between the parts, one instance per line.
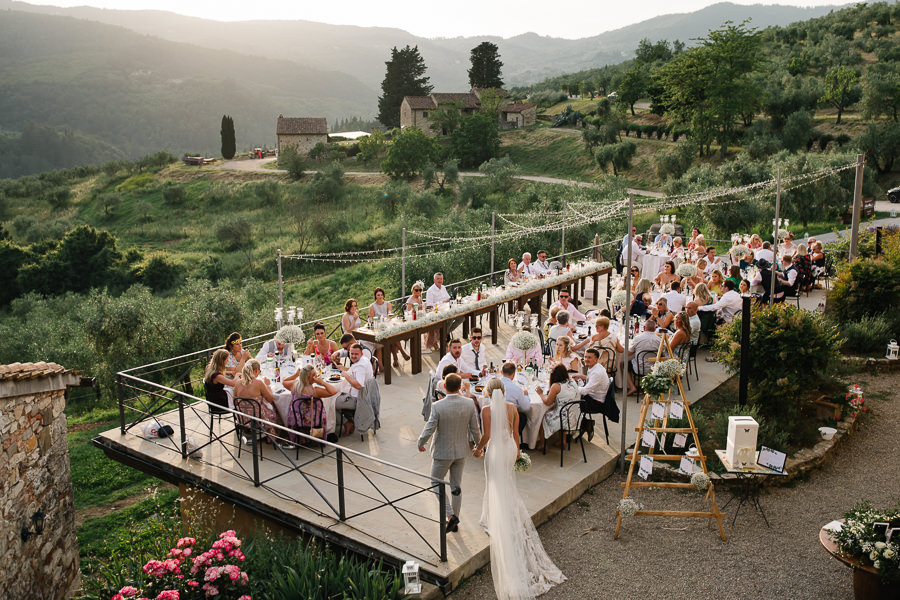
x=465 y=313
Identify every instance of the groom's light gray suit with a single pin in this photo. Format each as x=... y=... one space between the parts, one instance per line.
x=452 y=422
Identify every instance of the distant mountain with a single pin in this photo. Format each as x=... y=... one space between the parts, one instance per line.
x=361 y=51
x=139 y=94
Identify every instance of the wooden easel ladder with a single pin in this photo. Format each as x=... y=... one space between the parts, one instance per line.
x=661 y=426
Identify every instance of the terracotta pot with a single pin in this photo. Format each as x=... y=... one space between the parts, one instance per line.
x=868 y=586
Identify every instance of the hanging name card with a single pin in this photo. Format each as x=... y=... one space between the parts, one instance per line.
x=680 y=440
x=646 y=467
x=687 y=465
x=771 y=459
x=658 y=410
x=648 y=439
x=676 y=410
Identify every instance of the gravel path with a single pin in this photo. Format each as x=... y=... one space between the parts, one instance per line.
x=678 y=558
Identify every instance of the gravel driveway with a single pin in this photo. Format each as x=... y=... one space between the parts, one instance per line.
x=679 y=558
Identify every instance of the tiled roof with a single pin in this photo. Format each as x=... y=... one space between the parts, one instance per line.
x=420 y=102
x=301 y=125
x=465 y=100
x=18 y=371
x=517 y=107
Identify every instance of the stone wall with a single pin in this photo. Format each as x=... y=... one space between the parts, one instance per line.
x=303 y=143
x=35 y=475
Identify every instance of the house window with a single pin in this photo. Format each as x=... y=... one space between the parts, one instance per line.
x=425 y=114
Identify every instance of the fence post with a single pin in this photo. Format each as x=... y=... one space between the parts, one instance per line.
x=340 y=482
x=181 y=425
x=563 y=241
x=120 y=393
x=254 y=439
x=403 y=265
x=280 y=281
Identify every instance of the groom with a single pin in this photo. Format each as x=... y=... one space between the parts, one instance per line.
x=452 y=422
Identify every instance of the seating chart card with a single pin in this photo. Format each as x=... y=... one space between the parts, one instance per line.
x=680 y=440
x=646 y=467
x=676 y=410
x=771 y=459
x=658 y=410
x=648 y=439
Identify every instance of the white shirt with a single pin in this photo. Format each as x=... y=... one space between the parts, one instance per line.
x=695 y=329
x=675 y=300
x=597 y=383
x=447 y=360
x=287 y=353
x=714 y=265
x=527 y=269
x=435 y=295
x=538 y=267
x=729 y=305
x=790 y=274
x=636 y=251
x=574 y=312
x=764 y=253
x=467 y=358
x=361 y=371
x=558 y=331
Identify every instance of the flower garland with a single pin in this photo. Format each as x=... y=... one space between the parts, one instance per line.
x=686 y=269
x=291 y=334
x=524 y=341
x=496 y=296
x=606 y=265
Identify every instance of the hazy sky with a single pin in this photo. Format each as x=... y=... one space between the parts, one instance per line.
x=571 y=19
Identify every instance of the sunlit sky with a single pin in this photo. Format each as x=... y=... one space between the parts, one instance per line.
x=570 y=19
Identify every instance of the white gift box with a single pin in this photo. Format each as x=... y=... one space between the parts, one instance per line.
x=740 y=450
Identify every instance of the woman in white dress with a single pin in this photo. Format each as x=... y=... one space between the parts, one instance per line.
x=520 y=567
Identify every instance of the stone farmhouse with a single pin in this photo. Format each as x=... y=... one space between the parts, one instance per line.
x=302 y=133
x=415 y=110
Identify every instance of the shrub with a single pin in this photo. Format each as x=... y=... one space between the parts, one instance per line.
x=291 y=161
x=767 y=435
x=318 y=151
x=135 y=182
x=865 y=287
x=174 y=194
x=161 y=274
x=791 y=351
x=868 y=335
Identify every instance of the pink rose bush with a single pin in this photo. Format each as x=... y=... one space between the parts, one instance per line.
x=212 y=574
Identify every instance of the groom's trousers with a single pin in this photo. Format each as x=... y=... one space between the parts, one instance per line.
x=439 y=468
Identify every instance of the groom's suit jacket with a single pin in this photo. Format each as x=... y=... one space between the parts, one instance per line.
x=451 y=422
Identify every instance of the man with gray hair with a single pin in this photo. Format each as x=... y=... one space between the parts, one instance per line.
x=525 y=267
x=691 y=309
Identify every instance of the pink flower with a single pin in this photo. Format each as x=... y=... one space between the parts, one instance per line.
x=210 y=589
x=168 y=595
x=193 y=583
x=245 y=597
x=118 y=597
x=128 y=591
x=186 y=552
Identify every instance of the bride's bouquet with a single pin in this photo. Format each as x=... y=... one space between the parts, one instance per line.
x=523 y=463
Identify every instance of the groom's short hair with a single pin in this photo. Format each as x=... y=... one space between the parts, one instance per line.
x=508 y=369
x=452 y=383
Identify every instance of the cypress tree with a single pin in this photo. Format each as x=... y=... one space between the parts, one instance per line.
x=229 y=146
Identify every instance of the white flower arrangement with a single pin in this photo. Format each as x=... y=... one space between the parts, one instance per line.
x=667 y=228
x=606 y=265
x=740 y=251
x=618 y=298
x=782 y=233
x=524 y=341
x=671 y=368
x=858 y=538
x=628 y=507
x=496 y=296
x=700 y=480
x=686 y=269
x=291 y=334
x=523 y=463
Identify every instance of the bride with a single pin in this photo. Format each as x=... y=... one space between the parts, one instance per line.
x=519 y=565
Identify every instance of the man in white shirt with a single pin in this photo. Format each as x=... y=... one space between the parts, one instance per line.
x=473 y=357
x=728 y=305
x=515 y=394
x=347 y=340
x=713 y=263
x=674 y=298
x=627 y=239
x=281 y=351
x=645 y=341
x=452 y=358
x=691 y=309
x=567 y=306
x=765 y=253
x=357 y=374
x=788 y=275
x=541 y=265
x=525 y=267
x=596 y=383
x=636 y=251
x=437 y=293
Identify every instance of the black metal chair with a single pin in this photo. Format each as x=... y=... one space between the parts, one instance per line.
x=305 y=429
x=608 y=360
x=684 y=353
x=641 y=366
x=247 y=428
x=216 y=410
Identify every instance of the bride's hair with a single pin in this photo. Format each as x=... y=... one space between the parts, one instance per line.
x=493 y=384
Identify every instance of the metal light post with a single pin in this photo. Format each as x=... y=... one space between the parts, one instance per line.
x=745 y=351
x=493 y=229
x=857 y=206
x=776 y=226
x=627 y=332
x=403 y=264
x=280 y=280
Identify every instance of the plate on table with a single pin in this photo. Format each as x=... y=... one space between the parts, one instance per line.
x=334 y=377
x=582 y=336
x=479 y=388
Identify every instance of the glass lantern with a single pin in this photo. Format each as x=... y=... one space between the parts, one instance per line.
x=893 y=350
x=411 y=582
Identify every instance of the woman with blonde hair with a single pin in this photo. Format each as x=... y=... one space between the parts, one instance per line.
x=215 y=379
x=682 y=333
x=308 y=389
x=564 y=355
x=252 y=388
x=716 y=283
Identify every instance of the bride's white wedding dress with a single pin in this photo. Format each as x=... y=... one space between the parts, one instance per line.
x=519 y=565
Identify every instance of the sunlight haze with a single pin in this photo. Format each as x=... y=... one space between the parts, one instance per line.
x=575 y=19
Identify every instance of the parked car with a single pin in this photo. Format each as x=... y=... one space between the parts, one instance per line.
x=894 y=194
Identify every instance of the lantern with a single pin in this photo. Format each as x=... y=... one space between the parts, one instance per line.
x=893 y=350
x=410 y=571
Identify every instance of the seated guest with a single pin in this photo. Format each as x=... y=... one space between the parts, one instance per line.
x=416 y=298
x=567 y=306
x=564 y=354
x=515 y=394
x=716 y=282
x=357 y=374
x=626 y=239
x=596 y=382
x=473 y=356
x=728 y=305
x=662 y=315
x=818 y=255
x=279 y=349
x=755 y=242
x=691 y=310
x=637 y=250
x=237 y=356
x=437 y=294
x=707 y=318
x=347 y=341
x=663 y=239
x=765 y=253
x=646 y=341
x=351 y=319
x=674 y=297
x=452 y=358
x=562 y=390
x=251 y=387
x=788 y=276
x=713 y=262
x=692 y=243
x=667 y=275
x=763 y=279
x=382 y=309
x=541 y=265
x=735 y=274
x=677 y=248
x=635 y=276
x=563 y=328
x=321 y=346
x=696 y=279
x=640 y=303
x=511 y=275
x=551 y=320
x=215 y=379
x=744 y=287
x=788 y=247
x=521 y=357
x=683 y=331
x=307 y=391
x=804 y=268
x=525 y=267
x=441 y=386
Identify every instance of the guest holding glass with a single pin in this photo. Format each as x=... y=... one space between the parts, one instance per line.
x=215 y=379
x=562 y=390
x=511 y=275
x=667 y=275
x=526 y=268
x=351 y=319
x=320 y=345
x=662 y=315
x=237 y=356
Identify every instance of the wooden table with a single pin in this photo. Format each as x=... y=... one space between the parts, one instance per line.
x=866 y=580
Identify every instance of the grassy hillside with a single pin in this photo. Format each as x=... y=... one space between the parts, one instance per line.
x=139 y=94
